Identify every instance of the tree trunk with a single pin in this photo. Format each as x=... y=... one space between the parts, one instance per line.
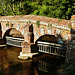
x=12 y=9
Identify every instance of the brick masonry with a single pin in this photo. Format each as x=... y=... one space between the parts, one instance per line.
x=52 y=26
x=47 y=25
x=26 y=48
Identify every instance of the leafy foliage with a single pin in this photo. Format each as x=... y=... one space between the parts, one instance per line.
x=38 y=23
x=51 y=8
x=69 y=25
x=7 y=24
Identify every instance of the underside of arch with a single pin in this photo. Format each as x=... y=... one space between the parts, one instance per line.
x=13 y=33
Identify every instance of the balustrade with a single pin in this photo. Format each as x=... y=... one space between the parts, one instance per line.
x=50 y=48
x=14 y=41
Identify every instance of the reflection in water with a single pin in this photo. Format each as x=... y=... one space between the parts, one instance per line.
x=43 y=66
x=11 y=65
x=46 y=68
x=47 y=64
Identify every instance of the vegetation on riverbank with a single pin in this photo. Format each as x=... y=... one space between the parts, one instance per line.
x=50 y=8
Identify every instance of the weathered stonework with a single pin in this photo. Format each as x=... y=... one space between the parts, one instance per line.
x=26 y=51
x=26 y=47
x=52 y=26
x=20 y=22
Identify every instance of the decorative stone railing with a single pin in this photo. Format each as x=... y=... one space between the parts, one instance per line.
x=14 y=41
x=51 y=48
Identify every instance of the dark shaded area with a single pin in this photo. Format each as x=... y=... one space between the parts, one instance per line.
x=72 y=31
x=2 y=41
x=47 y=38
x=47 y=64
x=7 y=33
x=32 y=34
x=0 y=27
x=31 y=28
x=34 y=48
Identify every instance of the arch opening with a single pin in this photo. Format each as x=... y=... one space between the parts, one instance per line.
x=32 y=34
x=13 y=37
x=48 y=38
x=13 y=33
x=51 y=45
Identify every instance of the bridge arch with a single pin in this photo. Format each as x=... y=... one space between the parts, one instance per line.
x=51 y=44
x=12 y=32
x=48 y=38
x=13 y=37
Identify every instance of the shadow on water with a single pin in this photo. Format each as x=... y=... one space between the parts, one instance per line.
x=47 y=64
x=42 y=64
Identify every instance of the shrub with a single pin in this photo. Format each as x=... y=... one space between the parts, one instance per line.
x=38 y=23
x=7 y=24
x=69 y=25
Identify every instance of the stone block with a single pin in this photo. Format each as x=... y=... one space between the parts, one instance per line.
x=26 y=47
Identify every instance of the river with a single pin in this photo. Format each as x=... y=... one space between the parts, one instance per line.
x=42 y=64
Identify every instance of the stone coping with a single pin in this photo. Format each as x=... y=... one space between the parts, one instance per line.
x=35 y=18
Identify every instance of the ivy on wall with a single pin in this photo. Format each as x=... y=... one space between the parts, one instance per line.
x=7 y=24
x=49 y=25
x=38 y=23
x=69 y=26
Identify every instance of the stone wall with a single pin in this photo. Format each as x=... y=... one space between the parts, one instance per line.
x=47 y=25
x=44 y=29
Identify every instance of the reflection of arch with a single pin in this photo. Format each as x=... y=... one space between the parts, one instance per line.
x=13 y=33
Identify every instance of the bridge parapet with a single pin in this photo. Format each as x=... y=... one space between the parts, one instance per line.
x=51 y=48
x=14 y=41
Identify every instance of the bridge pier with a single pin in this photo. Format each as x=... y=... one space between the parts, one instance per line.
x=27 y=25
x=26 y=51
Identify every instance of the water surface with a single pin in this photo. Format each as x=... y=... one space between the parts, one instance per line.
x=42 y=64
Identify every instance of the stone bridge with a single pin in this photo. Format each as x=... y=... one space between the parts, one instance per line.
x=40 y=25
x=32 y=27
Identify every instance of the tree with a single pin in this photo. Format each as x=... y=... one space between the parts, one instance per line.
x=51 y=8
